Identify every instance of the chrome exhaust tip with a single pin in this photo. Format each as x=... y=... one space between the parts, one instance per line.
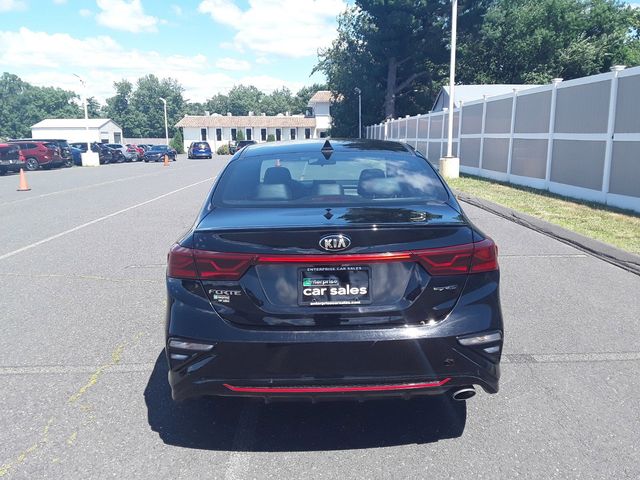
x=463 y=394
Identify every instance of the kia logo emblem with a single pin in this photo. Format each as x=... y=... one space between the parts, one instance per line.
x=335 y=243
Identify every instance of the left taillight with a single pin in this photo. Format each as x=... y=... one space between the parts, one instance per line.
x=200 y=264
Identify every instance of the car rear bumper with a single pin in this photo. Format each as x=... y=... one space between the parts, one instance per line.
x=11 y=166
x=261 y=362
x=332 y=370
x=200 y=154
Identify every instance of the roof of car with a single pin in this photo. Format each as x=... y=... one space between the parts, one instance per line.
x=337 y=144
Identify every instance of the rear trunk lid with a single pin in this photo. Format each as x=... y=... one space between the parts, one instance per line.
x=288 y=280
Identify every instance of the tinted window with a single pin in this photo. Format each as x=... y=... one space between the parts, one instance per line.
x=200 y=145
x=9 y=153
x=347 y=178
x=159 y=148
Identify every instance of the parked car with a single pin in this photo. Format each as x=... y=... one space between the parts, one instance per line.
x=76 y=155
x=11 y=158
x=199 y=150
x=157 y=153
x=244 y=143
x=128 y=154
x=63 y=147
x=138 y=148
x=105 y=154
x=361 y=278
x=40 y=153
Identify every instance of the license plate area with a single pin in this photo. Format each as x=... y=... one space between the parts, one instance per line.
x=334 y=286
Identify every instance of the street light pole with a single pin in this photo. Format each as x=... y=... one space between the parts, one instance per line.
x=166 y=127
x=359 y=92
x=450 y=165
x=89 y=159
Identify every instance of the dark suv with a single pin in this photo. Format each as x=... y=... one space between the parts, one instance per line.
x=39 y=153
x=11 y=158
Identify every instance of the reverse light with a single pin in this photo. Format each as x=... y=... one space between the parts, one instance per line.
x=480 y=339
x=194 y=346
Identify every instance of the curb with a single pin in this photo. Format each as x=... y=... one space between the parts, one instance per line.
x=625 y=260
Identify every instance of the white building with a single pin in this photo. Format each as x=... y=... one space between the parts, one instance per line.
x=220 y=130
x=102 y=130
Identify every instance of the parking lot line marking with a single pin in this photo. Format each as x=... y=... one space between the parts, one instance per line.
x=86 y=187
x=97 y=220
x=69 y=276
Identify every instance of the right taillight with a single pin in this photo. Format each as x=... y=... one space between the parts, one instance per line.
x=460 y=259
x=485 y=256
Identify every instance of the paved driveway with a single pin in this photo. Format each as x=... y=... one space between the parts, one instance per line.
x=83 y=384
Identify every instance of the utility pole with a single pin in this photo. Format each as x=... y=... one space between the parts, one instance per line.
x=166 y=126
x=450 y=165
x=359 y=92
x=88 y=157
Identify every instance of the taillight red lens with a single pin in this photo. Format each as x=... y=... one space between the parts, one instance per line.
x=447 y=260
x=469 y=258
x=456 y=260
x=221 y=266
x=485 y=256
x=180 y=263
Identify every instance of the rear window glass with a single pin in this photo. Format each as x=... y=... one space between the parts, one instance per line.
x=8 y=153
x=346 y=178
x=201 y=145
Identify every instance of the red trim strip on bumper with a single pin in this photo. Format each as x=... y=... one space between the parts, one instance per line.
x=371 y=388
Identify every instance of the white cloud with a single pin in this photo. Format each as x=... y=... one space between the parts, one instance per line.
x=177 y=10
x=12 y=5
x=233 y=64
x=127 y=15
x=290 y=28
x=85 y=12
x=47 y=59
x=59 y=2
x=222 y=11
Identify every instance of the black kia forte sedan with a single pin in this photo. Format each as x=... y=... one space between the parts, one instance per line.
x=332 y=269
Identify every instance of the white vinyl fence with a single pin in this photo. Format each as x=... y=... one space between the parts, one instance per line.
x=579 y=138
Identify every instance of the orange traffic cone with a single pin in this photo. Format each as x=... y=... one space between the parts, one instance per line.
x=23 y=187
x=166 y=160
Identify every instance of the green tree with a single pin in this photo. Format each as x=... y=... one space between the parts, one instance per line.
x=117 y=108
x=271 y=138
x=177 y=142
x=22 y=105
x=533 y=41
x=145 y=101
x=239 y=135
x=243 y=99
x=94 y=108
x=217 y=104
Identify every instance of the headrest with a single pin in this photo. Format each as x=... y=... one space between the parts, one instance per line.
x=277 y=175
x=273 y=191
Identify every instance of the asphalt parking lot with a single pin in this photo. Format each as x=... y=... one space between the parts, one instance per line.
x=83 y=381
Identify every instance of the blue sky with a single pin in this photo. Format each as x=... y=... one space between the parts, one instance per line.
x=208 y=45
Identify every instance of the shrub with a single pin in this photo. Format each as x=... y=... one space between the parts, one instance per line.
x=223 y=150
x=239 y=136
x=271 y=138
x=177 y=142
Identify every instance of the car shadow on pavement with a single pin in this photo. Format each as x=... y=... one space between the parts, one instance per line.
x=233 y=424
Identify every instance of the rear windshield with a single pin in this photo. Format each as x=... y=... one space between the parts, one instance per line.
x=8 y=153
x=347 y=178
x=159 y=147
x=201 y=145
